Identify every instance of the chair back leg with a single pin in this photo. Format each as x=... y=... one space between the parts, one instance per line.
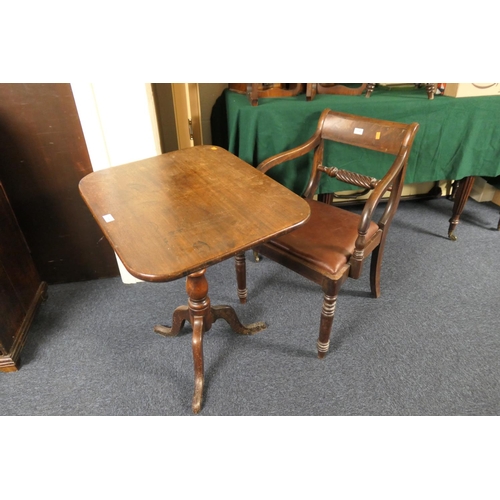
x=375 y=266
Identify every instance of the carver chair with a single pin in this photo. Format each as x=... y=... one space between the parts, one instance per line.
x=334 y=88
x=255 y=91
x=334 y=243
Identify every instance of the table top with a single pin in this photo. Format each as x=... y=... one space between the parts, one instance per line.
x=180 y=212
x=458 y=137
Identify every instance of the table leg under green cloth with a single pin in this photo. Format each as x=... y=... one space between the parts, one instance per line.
x=459 y=138
x=460 y=199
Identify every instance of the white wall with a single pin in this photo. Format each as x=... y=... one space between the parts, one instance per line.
x=119 y=124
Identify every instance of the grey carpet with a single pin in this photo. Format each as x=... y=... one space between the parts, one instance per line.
x=429 y=345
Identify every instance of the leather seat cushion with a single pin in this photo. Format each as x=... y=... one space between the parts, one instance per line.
x=326 y=240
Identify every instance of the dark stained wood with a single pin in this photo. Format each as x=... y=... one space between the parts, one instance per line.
x=202 y=315
x=183 y=211
x=334 y=243
x=21 y=289
x=43 y=156
x=461 y=196
x=175 y=214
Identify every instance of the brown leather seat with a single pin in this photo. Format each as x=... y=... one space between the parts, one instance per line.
x=334 y=243
x=327 y=254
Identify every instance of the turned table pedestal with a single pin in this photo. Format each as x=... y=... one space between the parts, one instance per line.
x=176 y=214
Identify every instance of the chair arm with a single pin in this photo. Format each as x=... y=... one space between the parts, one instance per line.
x=382 y=186
x=290 y=154
x=371 y=204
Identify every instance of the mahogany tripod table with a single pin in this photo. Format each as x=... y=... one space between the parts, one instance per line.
x=176 y=214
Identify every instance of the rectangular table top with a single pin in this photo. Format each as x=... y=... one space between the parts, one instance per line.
x=180 y=212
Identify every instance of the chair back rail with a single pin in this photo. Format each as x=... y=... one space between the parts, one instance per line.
x=369 y=133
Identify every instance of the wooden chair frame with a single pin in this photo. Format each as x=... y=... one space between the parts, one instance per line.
x=255 y=91
x=379 y=135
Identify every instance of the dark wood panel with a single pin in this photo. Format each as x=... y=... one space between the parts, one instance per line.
x=11 y=312
x=43 y=156
x=14 y=255
x=19 y=287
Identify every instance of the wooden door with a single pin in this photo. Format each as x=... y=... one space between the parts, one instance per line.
x=184 y=112
x=178 y=113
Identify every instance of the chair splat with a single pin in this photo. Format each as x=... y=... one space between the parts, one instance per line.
x=349 y=177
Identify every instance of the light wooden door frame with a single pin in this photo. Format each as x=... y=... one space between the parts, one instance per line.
x=120 y=125
x=187 y=111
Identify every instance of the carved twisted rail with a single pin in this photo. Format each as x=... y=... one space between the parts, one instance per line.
x=353 y=178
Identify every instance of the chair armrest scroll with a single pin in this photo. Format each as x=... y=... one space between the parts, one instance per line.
x=290 y=154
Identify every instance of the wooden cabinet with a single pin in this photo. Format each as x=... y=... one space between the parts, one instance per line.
x=21 y=289
x=43 y=156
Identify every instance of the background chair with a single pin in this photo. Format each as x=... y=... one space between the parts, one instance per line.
x=255 y=91
x=431 y=88
x=334 y=243
x=335 y=88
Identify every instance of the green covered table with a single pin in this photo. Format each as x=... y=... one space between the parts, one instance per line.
x=458 y=139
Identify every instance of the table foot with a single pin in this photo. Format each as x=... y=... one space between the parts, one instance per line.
x=228 y=314
x=180 y=316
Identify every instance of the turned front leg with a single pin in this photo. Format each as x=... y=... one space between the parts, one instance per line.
x=331 y=291
x=327 y=315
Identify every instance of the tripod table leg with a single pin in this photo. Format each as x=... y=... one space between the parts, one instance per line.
x=181 y=314
x=199 y=376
